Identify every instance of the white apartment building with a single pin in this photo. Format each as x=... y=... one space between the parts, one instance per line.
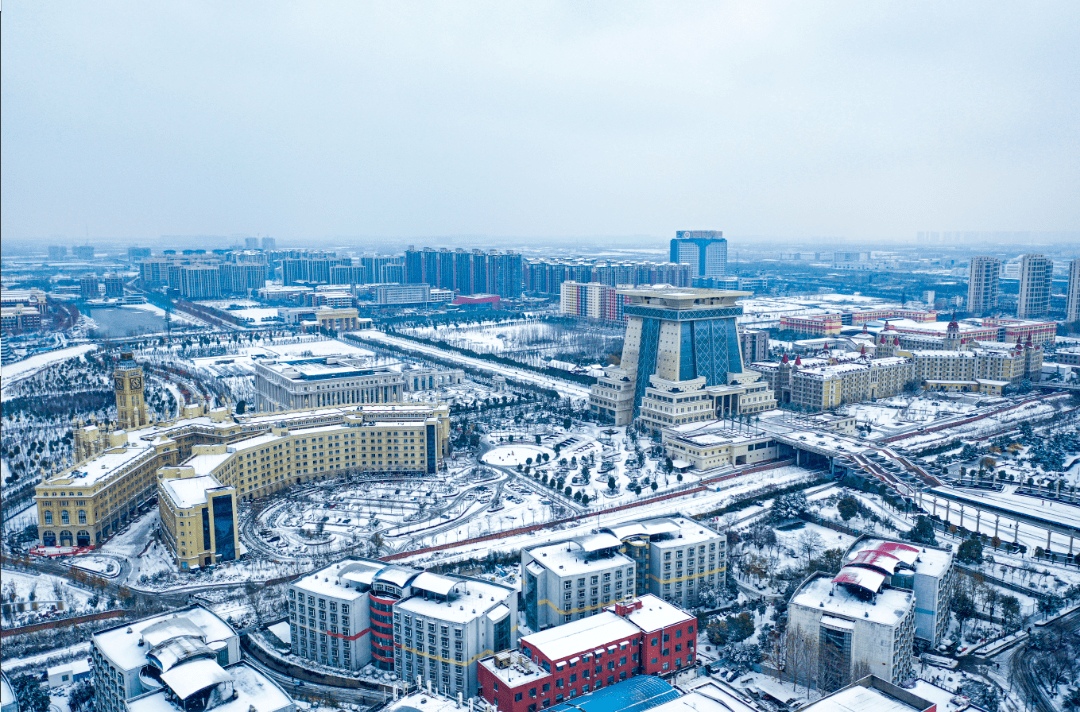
x=1072 y=304
x=403 y=620
x=927 y=571
x=854 y=626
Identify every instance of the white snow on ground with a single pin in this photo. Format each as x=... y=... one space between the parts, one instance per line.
x=132 y=539
x=281 y=632
x=15 y=663
x=516 y=454
x=46 y=590
x=251 y=309
x=97 y=564
x=13 y=372
x=984 y=427
x=243 y=355
x=565 y=389
x=697 y=503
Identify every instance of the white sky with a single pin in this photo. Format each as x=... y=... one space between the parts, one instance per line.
x=557 y=119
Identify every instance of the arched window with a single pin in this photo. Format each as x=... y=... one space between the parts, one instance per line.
x=65 y=538
x=82 y=516
x=64 y=517
x=48 y=517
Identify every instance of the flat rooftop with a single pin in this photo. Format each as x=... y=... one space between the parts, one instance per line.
x=189 y=491
x=581 y=636
x=887 y=608
x=566 y=558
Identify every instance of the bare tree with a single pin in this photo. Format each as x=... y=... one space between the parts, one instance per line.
x=809 y=543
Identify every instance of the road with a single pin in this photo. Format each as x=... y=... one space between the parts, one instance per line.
x=1023 y=661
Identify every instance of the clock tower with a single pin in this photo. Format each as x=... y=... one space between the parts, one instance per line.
x=130 y=404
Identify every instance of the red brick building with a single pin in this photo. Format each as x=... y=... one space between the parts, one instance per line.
x=647 y=636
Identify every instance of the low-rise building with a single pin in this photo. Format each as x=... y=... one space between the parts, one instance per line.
x=140 y=657
x=718 y=443
x=644 y=636
x=290 y=384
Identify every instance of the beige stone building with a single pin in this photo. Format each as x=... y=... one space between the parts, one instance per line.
x=119 y=472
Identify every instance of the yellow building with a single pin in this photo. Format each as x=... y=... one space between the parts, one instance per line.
x=198 y=513
x=116 y=475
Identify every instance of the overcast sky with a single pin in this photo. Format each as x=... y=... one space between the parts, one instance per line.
x=310 y=119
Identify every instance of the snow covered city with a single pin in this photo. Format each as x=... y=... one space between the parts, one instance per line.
x=552 y=357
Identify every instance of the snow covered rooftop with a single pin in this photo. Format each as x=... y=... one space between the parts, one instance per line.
x=254 y=692
x=187 y=679
x=521 y=670
x=861 y=699
x=472 y=600
x=863 y=578
x=189 y=491
x=563 y=559
x=654 y=613
x=887 y=608
x=327 y=583
x=121 y=644
x=580 y=636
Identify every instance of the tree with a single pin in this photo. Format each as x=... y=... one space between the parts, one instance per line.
x=790 y=506
x=30 y=695
x=970 y=551
x=81 y=695
x=611 y=482
x=809 y=543
x=922 y=532
x=732 y=629
x=963 y=608
x=1010 y=612
x=848 y=508
x=654 y=486
x=1050 y=605
x=830 y=561
x=241 y=407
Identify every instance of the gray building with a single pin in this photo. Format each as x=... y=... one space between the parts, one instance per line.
x=984 y=285
x=1033 y=301
x=292 y=384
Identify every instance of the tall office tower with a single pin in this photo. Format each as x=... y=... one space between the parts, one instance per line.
x=983 y=285
x=1033 y=301
x=269 y=243
x=681 y=335
x=704 y=250
x=57 y=252
x=1072 y=309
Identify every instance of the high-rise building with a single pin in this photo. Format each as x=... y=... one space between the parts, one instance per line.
x=251 y=243
x=1072 y=308
x=88 y=287
x=269 y=243
x=704 y=250
x=138 y=253
x=1035 y=275
x=983 y=285
x=114 y=286
x=57 y=252
x=83 y=252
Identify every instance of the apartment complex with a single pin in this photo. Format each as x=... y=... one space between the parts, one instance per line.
x=464 y=272
x=644 y=636
x=984 y=285
x=423 y=626
x=704 y=250
x=678 y=344
x=593 y=300
x=547 y=275
x=853 y=625
x=1036 y=272
x=673 y=558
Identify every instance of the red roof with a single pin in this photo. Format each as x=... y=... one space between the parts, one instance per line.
x=863 y=578
x=905 y=552
x=878 y=559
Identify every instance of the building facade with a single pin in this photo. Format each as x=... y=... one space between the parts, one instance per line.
x=984 y=285
x=704 y=250
x=676 y=340
x=673 y=558
x=292 y=384
x=1072 y=302
x=1033 y=300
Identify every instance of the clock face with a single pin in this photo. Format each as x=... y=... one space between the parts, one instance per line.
x=136 y=383
x=119 y=384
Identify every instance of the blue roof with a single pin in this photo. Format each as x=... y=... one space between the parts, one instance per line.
x=634 y=695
